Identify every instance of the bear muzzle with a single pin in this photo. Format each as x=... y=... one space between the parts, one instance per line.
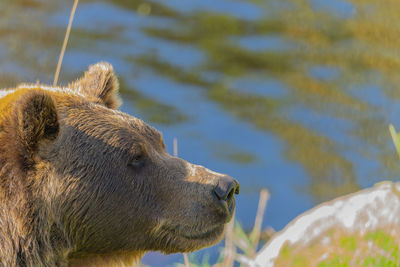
x=224 y=193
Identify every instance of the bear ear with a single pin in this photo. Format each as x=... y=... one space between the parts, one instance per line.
x=100 y=81
x=35 y=120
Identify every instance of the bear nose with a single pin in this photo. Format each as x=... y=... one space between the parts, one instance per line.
x=226 y=188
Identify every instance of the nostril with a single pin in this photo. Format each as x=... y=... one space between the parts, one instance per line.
x=237 y=188
x=226 y=188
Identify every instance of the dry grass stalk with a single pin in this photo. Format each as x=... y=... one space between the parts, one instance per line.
x=255 y=234
x=60 y=59
x=230 y=249
x=186 y=259
x=175 y=147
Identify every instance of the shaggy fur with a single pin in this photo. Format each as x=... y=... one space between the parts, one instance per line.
x=83 y=184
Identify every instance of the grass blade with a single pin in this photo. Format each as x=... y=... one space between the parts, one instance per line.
x=64 y=46
x=395 y=138
x=255 y=234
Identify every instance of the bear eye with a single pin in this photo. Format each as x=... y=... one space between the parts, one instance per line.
x=136 y=161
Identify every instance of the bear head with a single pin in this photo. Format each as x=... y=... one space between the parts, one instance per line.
x=98 y=183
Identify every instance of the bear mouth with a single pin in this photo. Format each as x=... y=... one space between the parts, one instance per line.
x=231 y=209
x=196 y=235
x=204 y=235
x=227 y=209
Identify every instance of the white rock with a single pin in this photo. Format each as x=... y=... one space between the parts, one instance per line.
x=358 y=212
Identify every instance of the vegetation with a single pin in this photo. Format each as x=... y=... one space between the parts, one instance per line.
x=378 y=248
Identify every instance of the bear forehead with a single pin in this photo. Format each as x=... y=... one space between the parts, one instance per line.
x=111 y=125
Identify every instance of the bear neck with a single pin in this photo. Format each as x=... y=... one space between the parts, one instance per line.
x=27 y=234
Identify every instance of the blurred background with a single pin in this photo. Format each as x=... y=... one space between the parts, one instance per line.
x=290 y=95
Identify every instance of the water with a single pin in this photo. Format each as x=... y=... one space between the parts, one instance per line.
x=291 y=95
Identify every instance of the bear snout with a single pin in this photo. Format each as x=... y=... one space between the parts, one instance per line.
x=222 y=189
x=226 y=188
x=224 y=195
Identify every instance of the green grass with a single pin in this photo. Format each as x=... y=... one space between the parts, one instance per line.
x=377 y=248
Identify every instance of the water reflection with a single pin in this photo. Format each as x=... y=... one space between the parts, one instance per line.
x=151 y=109
x=334 y=71
x=316 y=37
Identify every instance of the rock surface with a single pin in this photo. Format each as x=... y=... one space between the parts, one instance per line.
x=364 y=211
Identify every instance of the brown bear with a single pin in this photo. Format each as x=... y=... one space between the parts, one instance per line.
x=84 y=184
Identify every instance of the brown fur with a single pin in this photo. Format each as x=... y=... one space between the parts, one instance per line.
x=83 y=184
